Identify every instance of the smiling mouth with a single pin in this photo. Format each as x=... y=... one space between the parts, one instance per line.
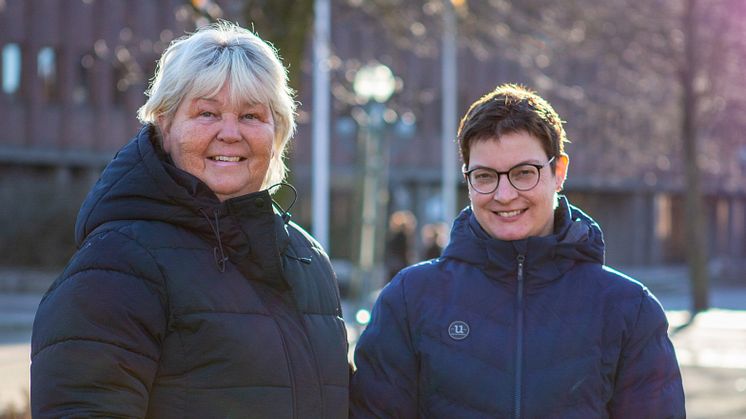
x=508 y=214
x=231 y=159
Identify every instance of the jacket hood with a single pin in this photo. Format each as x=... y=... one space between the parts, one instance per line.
x=576 y=238
x=141 y=184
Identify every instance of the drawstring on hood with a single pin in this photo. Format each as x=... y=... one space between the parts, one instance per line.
x=218 y=251
x=285 y=212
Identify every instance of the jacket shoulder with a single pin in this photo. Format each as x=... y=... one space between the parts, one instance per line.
x=301 y=238
x=116 y=247
x=429 y=272
x=610 y=279
x=420 y=281
x=621 y=293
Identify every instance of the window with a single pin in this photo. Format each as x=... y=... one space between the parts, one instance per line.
x=11 y=68
x=82 y=86
x=46 y=69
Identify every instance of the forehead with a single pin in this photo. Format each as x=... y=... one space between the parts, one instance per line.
x=223 y=97
x=236 y=86
x=506 y=150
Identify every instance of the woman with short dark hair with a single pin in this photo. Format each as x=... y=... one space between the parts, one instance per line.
x=519 y=318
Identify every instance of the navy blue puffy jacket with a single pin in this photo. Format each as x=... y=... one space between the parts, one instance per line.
x=536 y=328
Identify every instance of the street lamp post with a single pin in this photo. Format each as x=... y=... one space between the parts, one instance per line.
x=373 y=84
x=448 y=117
x=320 y=153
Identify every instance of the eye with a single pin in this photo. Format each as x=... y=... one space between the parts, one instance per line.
x=523 y=171
x=482 y=175
x=206 y=114
x=250 y=116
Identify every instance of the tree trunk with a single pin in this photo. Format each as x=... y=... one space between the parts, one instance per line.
x=696 y=240
x=287 y=25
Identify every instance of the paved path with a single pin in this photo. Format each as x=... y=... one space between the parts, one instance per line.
x=16 y=318
x=714 y=393
x=712 y=351
x=712 y=355
x=14 y=370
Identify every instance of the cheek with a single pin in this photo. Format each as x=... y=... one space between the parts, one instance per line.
x=265 y=149
x=480 y=205
x=189 y=146
x=546 y=200
x=473 y=198
x=174 y=141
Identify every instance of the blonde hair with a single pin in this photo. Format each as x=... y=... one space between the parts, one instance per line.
x=199 y=65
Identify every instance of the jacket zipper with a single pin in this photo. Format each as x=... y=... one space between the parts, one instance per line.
x=519 y=338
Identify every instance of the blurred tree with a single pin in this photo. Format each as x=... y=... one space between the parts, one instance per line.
x=286 y=24
x=689 y=70
x=690 y=49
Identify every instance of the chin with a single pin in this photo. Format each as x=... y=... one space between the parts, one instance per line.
x=509 y=234
x=510 y=237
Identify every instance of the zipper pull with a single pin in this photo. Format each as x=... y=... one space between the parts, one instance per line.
x=520 y=259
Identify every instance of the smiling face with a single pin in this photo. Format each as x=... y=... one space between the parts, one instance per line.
x=510 y=214
x=226 y=145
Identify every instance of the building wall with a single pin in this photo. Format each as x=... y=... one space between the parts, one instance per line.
x=73 y=76
x=84 y=65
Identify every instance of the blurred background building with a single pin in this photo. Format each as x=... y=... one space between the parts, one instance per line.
x=74 y=73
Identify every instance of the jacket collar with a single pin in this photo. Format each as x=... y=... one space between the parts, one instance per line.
x=576 y=238
x=141 y=183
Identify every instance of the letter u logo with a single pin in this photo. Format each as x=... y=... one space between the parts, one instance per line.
x=458 y=330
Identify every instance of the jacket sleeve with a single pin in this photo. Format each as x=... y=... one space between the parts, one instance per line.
x=648 y=382
x=97 y=333
x=385 y=383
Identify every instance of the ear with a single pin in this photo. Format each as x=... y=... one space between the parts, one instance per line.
x=560 y=170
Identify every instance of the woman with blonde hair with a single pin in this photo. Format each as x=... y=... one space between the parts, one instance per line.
x=191 y=295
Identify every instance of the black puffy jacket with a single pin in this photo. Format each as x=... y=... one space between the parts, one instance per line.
x=534 y=328
x=179 y=306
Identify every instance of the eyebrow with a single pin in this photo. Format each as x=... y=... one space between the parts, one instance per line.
x=480 y=166
x=245 y=104
x=197 y=100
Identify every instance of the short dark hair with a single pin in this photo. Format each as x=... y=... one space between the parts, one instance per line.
x=508 y=109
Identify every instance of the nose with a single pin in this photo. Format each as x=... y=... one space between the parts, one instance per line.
x=505 y=192
x=229 y=129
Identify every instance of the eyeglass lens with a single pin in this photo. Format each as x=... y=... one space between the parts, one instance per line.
x=522 y=177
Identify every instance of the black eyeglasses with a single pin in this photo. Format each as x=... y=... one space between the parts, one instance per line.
x=523 y=177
